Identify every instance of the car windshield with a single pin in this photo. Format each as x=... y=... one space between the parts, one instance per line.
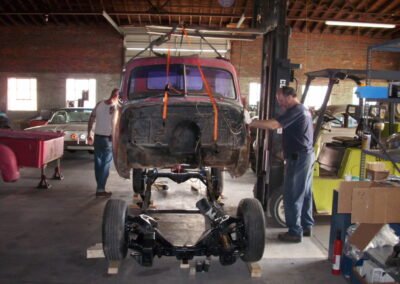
x=71 y=116
x=151 y=81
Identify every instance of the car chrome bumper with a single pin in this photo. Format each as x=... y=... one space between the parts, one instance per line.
x=83 y=147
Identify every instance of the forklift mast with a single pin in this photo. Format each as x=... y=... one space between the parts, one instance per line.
x=276 y=73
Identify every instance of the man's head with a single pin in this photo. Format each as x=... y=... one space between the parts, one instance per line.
x=114 y=96
x=286 y=97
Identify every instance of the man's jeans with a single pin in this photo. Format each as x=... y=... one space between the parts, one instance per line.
x=297 y=193
x=102 y=160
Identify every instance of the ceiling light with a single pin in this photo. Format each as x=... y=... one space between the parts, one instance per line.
x=360 y=24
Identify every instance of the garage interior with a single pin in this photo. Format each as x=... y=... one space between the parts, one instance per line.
x=73 y=53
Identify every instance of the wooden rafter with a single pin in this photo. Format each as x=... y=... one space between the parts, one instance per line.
x=342 y=14
x=316 y=12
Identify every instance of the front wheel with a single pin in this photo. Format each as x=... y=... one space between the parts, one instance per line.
x=251 y=213
x=114 y=236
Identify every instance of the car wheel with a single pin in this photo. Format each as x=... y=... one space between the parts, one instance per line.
x=277 y=209
x=251 y=213
x=138 y=181
x=114 y=235
x=217 y=183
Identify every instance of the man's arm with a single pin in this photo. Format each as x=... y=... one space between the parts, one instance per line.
x=92 y=119
x=265 y=124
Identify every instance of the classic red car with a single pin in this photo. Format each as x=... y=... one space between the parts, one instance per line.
x=182 y=113
x=192 y=116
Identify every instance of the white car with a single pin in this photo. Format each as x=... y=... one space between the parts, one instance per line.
x=73 y=123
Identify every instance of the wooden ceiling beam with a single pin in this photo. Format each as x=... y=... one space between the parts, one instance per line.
x=340 y=16
x=391 y=6
x=316 y=13
x=3 y=21
x=76 y=21
x=376 y=5
x=301 y=13
x=85 y=18
x=126 y=8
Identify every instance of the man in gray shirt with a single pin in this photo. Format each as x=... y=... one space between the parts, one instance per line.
x=296 y=122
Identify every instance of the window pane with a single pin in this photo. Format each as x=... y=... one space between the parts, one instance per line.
x=81 y=91
x=21 y=94
x=151 y=80
x=254 y=93
x=220 y=81
x=315 y=96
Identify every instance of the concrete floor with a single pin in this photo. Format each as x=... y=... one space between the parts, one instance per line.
x=45 y=234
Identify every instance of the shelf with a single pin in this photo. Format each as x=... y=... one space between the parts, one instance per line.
x=379 y=256
x=386 y=100
x=393 y=154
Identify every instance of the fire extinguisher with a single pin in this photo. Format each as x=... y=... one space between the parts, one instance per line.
x=337 y=253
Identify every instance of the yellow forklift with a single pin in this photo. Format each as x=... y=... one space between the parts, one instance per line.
x=340 y=158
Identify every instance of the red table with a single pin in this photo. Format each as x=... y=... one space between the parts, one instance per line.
x=34 y=149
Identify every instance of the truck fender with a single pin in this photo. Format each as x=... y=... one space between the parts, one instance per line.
x=8 y=164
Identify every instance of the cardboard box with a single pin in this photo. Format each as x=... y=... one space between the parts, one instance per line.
x=364 y=234
x=375 y=205
x=346 y=194
x=376 y=175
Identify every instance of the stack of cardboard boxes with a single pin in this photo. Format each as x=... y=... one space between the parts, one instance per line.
x=372 y=205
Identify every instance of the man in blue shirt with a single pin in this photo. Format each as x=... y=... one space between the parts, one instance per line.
x=296 y=122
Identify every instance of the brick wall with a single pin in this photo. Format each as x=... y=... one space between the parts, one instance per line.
x=314 y=52
x=61 y=49
x=53 y=54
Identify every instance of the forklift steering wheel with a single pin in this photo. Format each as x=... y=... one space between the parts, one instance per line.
x=330 y=118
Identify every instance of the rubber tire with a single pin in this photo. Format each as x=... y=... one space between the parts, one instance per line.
x=113 y=230
x=252 y=214
x=217 y=184
x=274 y=204
x=138 y=185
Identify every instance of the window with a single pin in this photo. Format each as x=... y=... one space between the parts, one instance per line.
x=254 y=93
x=71 y=116
x=219 y=80
x=81 y=93
x=150 y=81
x=22 y=94
x=315 y=96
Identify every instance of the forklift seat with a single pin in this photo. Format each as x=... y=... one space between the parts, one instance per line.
x=330 y=158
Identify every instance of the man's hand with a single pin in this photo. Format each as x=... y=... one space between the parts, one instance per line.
x=90 y=140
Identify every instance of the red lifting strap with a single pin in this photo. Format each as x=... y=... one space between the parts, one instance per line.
x=212 y=99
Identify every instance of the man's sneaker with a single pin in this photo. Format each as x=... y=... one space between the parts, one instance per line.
x=307 y=232
x=289 y=238
x=103 y=194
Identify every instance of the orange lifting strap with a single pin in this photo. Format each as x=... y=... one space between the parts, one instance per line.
x=185 y=34
x=165 y=108
x=212 y=99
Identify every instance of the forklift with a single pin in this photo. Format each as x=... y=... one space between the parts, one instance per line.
x=341 y=157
